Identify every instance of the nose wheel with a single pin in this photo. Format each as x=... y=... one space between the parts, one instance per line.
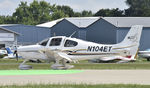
x=25 y=67
x=22 y=66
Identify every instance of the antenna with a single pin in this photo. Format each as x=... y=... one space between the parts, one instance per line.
x=54 y=34
x=72 y=34
x=117 y=23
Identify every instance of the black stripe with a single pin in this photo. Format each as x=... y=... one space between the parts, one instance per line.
x=93 y=53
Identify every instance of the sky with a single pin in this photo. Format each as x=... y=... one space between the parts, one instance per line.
x=7 y=7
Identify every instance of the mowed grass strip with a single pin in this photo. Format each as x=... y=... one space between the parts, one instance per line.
x=37 y=72
x=77 y=86
x=113 y=66
x=12 y=64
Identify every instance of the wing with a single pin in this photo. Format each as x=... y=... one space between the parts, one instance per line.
x=63 y=55
x=56 y=54
x=107 y=58
x=114 y=58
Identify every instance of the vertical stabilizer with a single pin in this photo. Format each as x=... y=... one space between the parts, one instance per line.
x=132 y=41
x=9 y=51
x=134 y=35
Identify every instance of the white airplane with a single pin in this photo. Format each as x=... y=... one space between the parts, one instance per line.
x=61 y=49
x=145 y=54
x=3 y=53
x=10 y=54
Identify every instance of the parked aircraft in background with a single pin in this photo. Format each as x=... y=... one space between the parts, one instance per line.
x=145 y=54
x=3 y=53
x=10 y=54
x=61 y=49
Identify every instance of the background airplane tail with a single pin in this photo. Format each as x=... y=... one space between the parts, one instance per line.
x=132 y=40
x=9 y=51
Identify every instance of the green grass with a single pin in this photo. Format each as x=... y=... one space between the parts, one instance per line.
x=139 y=64
x=113 y=66
x=4 y=61
x=78 y=86
x=37 y=72
x=12 y=64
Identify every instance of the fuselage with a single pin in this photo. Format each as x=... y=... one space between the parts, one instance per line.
x=144 y=54
x=77 y=49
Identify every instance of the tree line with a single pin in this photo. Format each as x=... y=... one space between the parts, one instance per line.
x=41 y=11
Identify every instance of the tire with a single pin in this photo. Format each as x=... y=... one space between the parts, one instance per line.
x=148 y=59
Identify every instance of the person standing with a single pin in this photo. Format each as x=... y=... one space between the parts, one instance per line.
x=15 y=52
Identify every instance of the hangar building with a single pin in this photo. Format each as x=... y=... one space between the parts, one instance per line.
x=105 y=30
x=8 y=38
x=28 y=34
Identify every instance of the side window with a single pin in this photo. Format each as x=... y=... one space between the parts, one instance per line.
x=43 y=43
x=55 y=42
x=70 y=43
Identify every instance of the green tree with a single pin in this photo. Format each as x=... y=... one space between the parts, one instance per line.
x=35 y=13
x=85 y=13
x=45 y=11
x=66 y=10
x=58 y=14
x=2 y=19
x=39 y=12
x=77 y=14
x=22 y=13
x=109 y=12
x=138 y=8
x=9 y=20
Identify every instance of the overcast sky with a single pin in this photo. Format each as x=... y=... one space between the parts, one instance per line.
x=7 y=7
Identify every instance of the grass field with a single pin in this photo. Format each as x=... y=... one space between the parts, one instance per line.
x=12 y=64
x=78 y=86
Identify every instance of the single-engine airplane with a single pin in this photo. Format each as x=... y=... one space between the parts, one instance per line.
x=61 y=49
x=145 y=54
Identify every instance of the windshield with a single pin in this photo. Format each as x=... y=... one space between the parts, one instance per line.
x=55 y=41
x=44 y=42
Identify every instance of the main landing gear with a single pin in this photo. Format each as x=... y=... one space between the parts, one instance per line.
x=61 y=65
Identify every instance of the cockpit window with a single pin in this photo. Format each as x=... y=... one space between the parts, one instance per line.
x=44 y=42
x=70 y=43
x=55 y=41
